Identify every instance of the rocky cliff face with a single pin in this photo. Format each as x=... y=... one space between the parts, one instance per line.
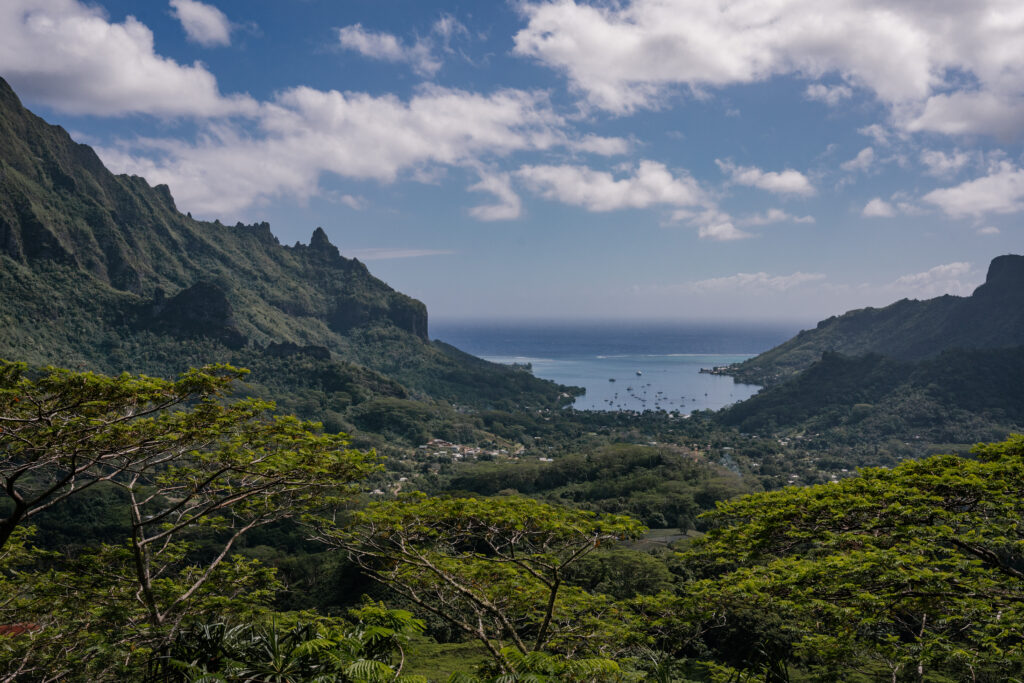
x=202 y=310
x=1005 y=279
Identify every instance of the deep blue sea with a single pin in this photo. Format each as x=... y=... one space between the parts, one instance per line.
x=654 y=365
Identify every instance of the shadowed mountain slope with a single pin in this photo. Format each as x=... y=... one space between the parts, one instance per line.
x=991 y=318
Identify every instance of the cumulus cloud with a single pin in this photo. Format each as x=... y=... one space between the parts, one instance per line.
x=306 y=132
x=781 y=182
x=753 y=282
x=988 y=230
x=914 y=56
x=861 y=162
x=878 y=133
x=645 y=185
x=203 y=24
x=878 y=208
x=773 y=216
x=650 y=184
x=976 y=111
x=596 y=144
x=508 y=206
x=69 y=56
x=719 y=227
x=1001 y=192
x=831 y=95
x=353 y=202
x=388 y=48
x=421 y=54
x=939 y=164
x=950 y=278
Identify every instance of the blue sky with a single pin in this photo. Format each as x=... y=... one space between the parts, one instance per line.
x=640 y=159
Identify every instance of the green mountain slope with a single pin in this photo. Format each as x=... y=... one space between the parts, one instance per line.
x=960 y=396
x=944 y=370
x=991 y=318
x=100 y=270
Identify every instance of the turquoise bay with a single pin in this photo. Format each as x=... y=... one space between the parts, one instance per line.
x=652 y=366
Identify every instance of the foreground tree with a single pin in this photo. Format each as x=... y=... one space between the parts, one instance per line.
x=191 y=467
x=914 y=573
x=368 y=649
x=494 y=568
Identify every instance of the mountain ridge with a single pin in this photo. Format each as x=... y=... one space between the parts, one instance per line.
x=907 y=330
x=92 y=262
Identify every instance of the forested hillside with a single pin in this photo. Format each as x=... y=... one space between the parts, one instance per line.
x=102 y=271
x=904 y=573
x=956 y=397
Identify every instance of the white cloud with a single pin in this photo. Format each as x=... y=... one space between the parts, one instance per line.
x=69 y=56
x=988 y=230
x=907 y=205
x=757 y=282
x=1001 y=191
x=650 y=184
x=783 y=182
x=878 y=133
x=307 y=132
x=712 y=223
x=508 y=206
x=773 y=216
x=960 y=113
x=940 y=164
x=203 y=24
x=721 y=231
x=918 y=57
x=595 y=144
x=386 y=47
x=448 y=27
x=353 y=202
x=878 y=208
x=831 y=95
x=861 y=162
x=950 y=278
x=647 y=184
x=369 y=44
x=383 y=253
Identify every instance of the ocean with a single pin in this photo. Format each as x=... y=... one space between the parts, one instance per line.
x=635 y=366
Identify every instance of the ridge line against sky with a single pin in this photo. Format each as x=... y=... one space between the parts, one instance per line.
x=640 y=159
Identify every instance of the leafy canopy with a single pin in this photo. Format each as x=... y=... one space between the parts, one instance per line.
x=494 y=568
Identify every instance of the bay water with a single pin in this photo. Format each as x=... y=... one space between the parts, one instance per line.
x=635 y=366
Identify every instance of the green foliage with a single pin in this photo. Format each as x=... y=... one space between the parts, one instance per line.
x=661 y=486
x=911 y=573
x=541 y=667
x=959 y=397
x=361 y=652
x=85 y=619
x=494 y=568
x=195 y=474
x=64 y=432
x=621 y=573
